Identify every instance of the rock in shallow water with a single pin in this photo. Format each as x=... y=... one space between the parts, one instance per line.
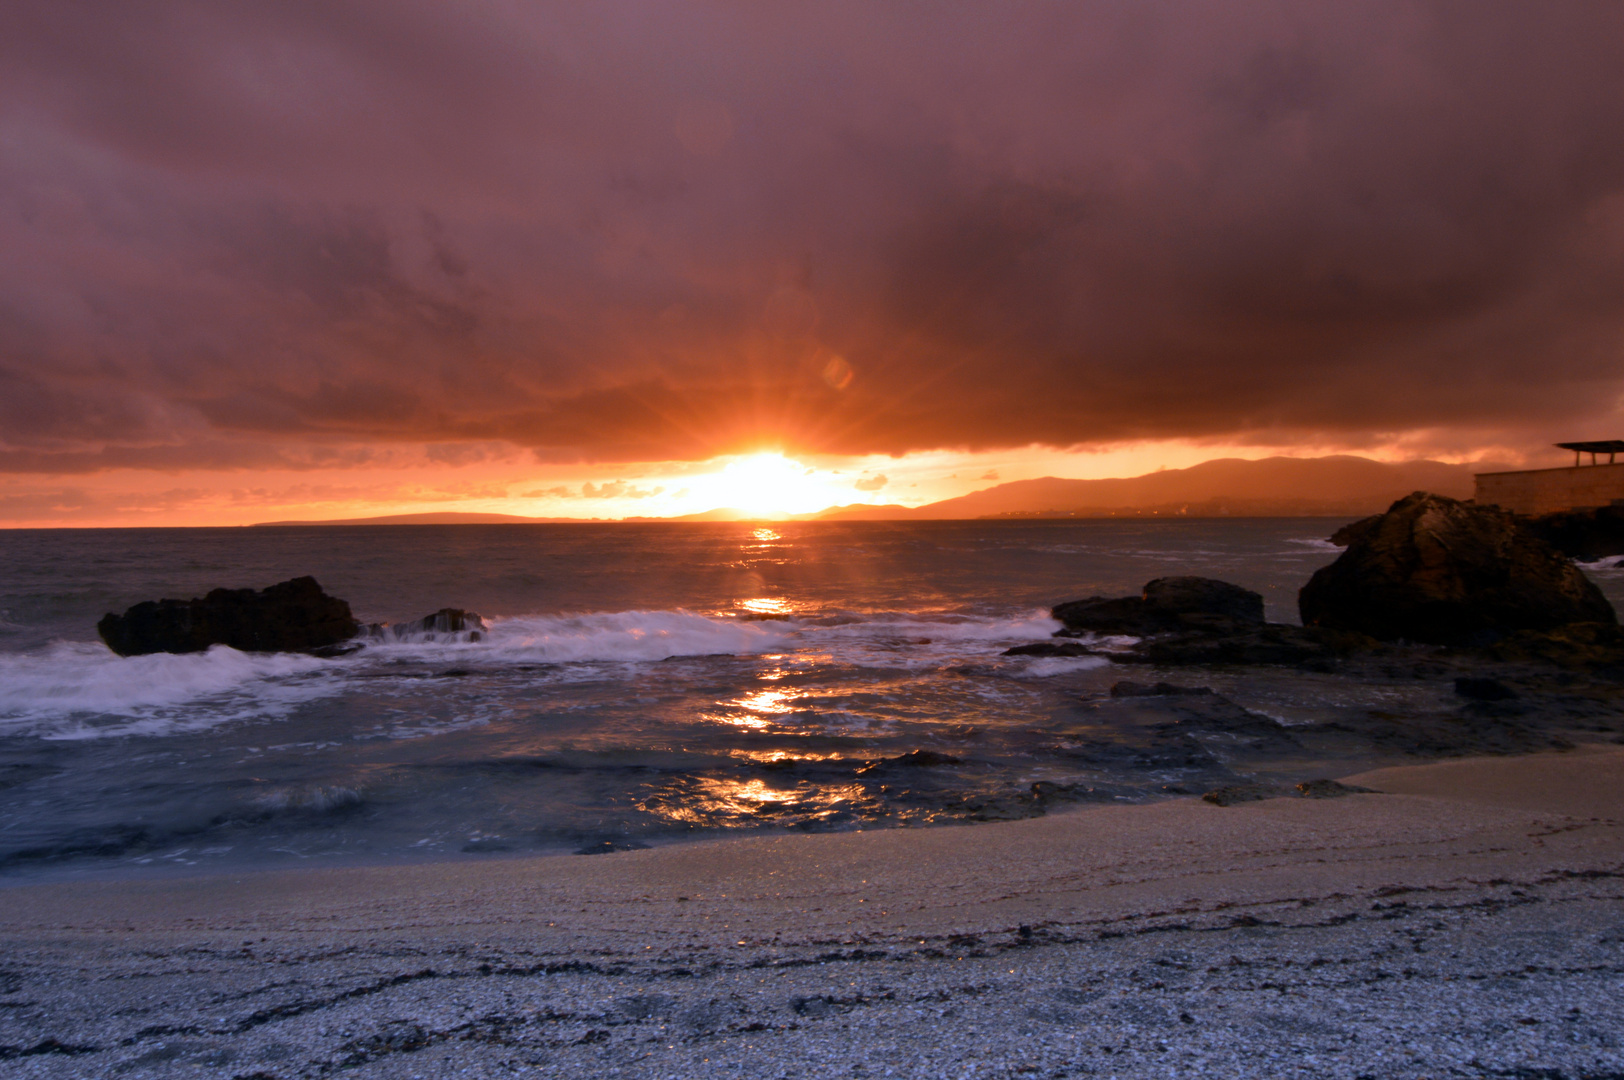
x=447 y=621
x=1192 y=620
x=1436 y=570
x=291 y=616
x=1330 y=789
x=1232 y=794
x=1166 y=605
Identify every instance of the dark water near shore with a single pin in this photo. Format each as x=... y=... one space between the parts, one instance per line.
x=640 y=683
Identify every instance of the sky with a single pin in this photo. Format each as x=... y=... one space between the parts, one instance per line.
x=341 y=257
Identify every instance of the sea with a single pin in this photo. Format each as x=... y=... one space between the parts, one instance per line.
x=638 y=684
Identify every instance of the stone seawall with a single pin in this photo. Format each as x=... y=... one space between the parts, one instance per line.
x=1548 y=491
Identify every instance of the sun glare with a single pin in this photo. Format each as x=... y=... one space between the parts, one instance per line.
x=770 y=483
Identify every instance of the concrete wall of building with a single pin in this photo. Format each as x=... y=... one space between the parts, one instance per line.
x=1546 y=491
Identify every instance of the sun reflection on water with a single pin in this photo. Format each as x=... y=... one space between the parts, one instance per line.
x=755 y=710
x=767 y=607
x=710 y=801
x=768 y=701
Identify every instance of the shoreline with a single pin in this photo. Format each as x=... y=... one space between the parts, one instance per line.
x=1505 y=840
x=1158 y=844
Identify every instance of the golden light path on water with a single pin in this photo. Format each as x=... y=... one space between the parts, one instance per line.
x=701 y=800
x=705 y=798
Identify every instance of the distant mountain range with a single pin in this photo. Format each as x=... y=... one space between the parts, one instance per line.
x=1338 y=486
x=445 y=518
x=1272 y=487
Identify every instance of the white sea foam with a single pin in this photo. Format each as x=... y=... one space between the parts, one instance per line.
x=1316 y=544
x=620 y=635
x=1610 y=562
x=1044 y=666
x=914 y=641
x=317 y=799
x=947 y=628
x=79 y=690
x=82 y=690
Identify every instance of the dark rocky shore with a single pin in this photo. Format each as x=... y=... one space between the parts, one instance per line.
x=290 y=616
x=1433 y=591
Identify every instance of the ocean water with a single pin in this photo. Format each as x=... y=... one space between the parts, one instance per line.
x=640 y=684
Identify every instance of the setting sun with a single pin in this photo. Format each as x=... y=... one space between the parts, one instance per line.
x=767 y=484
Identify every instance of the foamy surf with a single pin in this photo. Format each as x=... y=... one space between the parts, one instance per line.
x=643 y=636
x=597 y=636
x=75 y=690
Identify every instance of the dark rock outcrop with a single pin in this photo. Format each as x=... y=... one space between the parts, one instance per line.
x=292 y=616
x=1443 y=572
x=1167 y=605
x=1193 y=620
x=1270 y=643
x=1582 y=534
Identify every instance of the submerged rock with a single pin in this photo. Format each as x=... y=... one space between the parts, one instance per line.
x=1233 y=794
x=1444 y=572
x=291 y=616
x=1166 y=605
x=914 y=759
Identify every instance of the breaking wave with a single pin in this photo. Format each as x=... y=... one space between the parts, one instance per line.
x=81 y=690
x=620 y=635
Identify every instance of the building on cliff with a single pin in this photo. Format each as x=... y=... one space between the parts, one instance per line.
x=1583 y=486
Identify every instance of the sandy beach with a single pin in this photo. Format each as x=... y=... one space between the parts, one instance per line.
x=1465 y=919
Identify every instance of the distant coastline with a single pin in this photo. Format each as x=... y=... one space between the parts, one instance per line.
x=1334 y=486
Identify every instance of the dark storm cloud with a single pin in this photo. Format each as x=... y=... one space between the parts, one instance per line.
x=230 y=233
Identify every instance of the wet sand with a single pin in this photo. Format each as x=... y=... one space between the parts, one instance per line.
x=1469 y=917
